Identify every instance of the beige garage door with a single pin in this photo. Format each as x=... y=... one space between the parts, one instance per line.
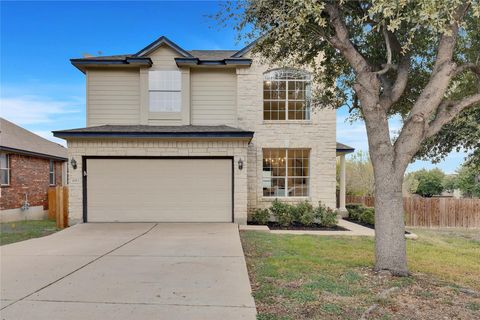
x=159 y=190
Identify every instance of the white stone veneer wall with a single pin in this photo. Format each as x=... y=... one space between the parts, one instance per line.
x=154 y=147
x=318 y=135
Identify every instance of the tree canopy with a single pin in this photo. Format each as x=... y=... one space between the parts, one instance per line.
x=417 y=59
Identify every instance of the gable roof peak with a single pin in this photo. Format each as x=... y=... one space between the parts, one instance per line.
x=160 y=41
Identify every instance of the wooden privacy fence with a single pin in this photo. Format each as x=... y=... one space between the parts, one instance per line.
x=58 y=205
x=434 y=212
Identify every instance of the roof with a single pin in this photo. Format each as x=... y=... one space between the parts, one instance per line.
x=16 y=139
x=212 y=54
x=147 y=131
x=187 y=58
x=343 y=148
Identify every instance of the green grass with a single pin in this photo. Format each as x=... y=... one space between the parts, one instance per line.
x=317 y=277
x=11 y=232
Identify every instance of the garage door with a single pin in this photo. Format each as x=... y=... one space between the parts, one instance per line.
x=159 y=190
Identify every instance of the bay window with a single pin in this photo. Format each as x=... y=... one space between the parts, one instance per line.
x=286 y=172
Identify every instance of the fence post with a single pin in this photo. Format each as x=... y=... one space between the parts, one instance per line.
x=59 y=207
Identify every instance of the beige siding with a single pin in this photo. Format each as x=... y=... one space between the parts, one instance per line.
x=213 y=97
x=164 y=58
x=113 y=96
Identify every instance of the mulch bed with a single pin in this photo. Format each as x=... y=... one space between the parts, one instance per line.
x=367 y=225
x=314 y=227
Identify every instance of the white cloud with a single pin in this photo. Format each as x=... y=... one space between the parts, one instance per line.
x=30 y=109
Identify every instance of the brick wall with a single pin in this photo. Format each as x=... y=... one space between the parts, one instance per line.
x=28 y=175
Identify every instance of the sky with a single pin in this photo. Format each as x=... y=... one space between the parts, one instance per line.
x=41 y=91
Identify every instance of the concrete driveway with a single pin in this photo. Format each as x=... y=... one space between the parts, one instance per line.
x=128 y=271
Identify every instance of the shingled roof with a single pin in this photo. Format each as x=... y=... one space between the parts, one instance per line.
x=147 y=131
x=187 y=58
x=343 y=148
x=16 y=139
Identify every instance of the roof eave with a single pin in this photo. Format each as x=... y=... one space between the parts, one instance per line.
x=32 y=153
x=245 y=49
x=160 y=41
x=162 y=135
x=83 y=64
x=217 y=62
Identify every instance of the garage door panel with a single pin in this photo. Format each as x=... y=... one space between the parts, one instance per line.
x=165 y=190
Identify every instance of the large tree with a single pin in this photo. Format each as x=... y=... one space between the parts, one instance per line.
x=413 y=58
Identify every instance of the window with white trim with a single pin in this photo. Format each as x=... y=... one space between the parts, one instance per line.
x=165 y=91
x=4 y=169
x=52 y=173
x=286 y=172
x=286 y=95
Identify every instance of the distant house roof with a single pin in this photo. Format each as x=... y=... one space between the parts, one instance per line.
x=15 y=139
x=188 y=58
x=147 y=131
x=343 y=148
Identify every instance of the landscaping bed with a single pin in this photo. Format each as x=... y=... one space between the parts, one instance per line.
x=301 y=216
x=304 y=277
x=295 y=226
x=11 y=232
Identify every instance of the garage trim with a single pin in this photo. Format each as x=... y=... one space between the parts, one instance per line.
x=85 y=174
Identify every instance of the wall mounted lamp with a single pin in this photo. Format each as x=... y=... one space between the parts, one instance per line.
x=73 y=162
x=240 y=164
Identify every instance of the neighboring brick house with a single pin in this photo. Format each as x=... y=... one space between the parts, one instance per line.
x=200 y=135
x=29 y=165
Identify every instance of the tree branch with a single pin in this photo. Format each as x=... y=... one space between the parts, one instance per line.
x=448 y=110
x=388 y=65
x=393 y=92
x=342 y=42
x=475 y=68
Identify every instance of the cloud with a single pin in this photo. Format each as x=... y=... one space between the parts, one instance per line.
x=32 y=109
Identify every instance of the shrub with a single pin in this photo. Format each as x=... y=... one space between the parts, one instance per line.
x=261 y=216
x=325 y=217
x=282 y=213
x=355 y=210
x=304 y=213
x=368 y=216
x=360 y=213
x=330 y=219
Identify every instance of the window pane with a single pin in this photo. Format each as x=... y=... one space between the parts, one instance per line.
x=3 y=160
x=165 y=101
x=52 y=178
x=4 y=178
x=165 y=80
x=298 y=187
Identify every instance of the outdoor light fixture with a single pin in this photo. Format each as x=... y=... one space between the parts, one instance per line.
x=240 y=164
x=73 y=162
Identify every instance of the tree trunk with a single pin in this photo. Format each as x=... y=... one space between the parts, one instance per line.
x=390 y=246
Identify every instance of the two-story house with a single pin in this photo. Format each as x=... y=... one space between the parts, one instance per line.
x=196 y=136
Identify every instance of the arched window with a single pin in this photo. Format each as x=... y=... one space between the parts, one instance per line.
x=286 y=95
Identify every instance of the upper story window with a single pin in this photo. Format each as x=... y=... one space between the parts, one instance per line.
x=286 y=95
x=4 y=169
x=165 y=91
x=51 y=176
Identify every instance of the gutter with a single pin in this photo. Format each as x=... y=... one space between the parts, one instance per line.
x=32 y=153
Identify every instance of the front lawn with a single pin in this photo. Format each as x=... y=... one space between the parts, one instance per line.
x=22 y=230
x=327 y=277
